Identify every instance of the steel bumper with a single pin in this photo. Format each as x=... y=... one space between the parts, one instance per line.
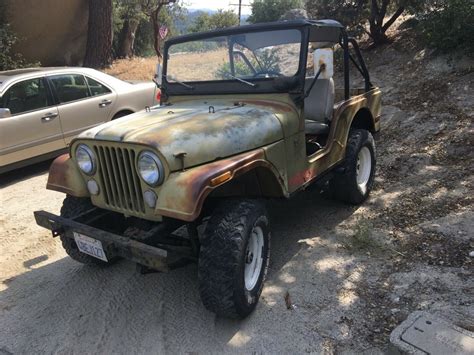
x=124 y=247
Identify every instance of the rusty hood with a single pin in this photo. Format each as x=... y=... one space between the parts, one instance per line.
x=203 y=131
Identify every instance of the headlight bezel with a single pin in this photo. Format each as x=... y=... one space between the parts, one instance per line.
x=158 y=163
x=92 y=158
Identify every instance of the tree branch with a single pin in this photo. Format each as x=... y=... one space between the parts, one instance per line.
x=393 y=18
x=383 y=11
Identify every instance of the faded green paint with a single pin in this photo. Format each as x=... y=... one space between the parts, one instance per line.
x=201 y=138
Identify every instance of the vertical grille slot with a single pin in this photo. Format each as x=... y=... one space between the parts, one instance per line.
x=119 y=177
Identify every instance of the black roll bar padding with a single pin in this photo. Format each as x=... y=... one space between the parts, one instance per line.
x=363 y=68
x=345 y=47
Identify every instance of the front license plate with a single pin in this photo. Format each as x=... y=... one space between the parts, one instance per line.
x=90 y=246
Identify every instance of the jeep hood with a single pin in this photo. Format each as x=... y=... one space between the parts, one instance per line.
x=203 y=131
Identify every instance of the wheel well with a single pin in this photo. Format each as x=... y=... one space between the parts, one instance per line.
x=258 y=182
x=363 y=120
x=122 y=113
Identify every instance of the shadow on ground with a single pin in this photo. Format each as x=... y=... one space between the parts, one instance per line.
x=21 y=174
x=69 y=308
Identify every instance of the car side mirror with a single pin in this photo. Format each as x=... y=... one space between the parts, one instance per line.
x=324 y=56
x=5 y=113
x=158 y=78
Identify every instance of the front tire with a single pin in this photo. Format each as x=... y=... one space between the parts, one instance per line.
x=355 y=182
x=72 y=207
x=233 y=259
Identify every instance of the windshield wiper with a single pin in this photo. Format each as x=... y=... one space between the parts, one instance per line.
x=241 y=80
x=169 y=77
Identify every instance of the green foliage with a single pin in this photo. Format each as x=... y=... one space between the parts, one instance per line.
x=220 y=19
x=139 y=10
x=268 y=61
x=349 y=13
x=449 y=26
x=195 y=46
x=8 y=59
x=265 y=61
x=272 y=10
x=356 y=14
x=241 y=70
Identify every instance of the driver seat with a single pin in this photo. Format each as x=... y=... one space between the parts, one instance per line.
x=318 y=106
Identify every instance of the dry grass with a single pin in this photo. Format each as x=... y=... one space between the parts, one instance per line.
x=189 y=66
x=133 y=69
x=197 y=66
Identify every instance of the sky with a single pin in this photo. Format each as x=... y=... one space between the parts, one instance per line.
x=218 y=4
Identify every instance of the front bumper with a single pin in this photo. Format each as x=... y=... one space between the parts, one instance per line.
x=141 y=253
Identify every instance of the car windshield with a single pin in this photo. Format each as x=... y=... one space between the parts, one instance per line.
x=242 y=57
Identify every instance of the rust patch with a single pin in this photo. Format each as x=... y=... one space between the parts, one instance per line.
x=65 y=177
x=186 y=191
x=281 y=107
x=302 y=177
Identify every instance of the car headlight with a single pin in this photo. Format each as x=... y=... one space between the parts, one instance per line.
x=150 y=168
x=85 y=159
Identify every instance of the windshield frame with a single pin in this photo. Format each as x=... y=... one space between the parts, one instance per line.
x=231 y=86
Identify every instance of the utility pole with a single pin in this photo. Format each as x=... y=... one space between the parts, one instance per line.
x=240 y=9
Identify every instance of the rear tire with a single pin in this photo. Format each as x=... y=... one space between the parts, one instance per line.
x=354 y=183
x=72 y=207
x=233 y=259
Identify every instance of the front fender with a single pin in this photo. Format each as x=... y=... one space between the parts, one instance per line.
x=183 y=193
x=64 y=176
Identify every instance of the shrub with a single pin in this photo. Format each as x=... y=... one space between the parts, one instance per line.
x=449 y=26
x=8 y=59
x=241 y=70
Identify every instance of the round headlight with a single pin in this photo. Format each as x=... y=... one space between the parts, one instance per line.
x=85 y=159
x=150 y=168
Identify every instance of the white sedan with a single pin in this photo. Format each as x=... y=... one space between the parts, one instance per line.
x=43 y=109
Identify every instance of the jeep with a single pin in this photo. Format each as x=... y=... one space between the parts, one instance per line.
x=247 y=114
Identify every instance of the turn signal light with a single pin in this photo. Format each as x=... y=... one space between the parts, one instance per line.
x=221 y=178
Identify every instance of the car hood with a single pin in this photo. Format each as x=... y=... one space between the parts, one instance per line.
x=204 y=132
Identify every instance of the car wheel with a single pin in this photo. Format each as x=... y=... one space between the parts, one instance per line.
x=72 y=207
x=354 y=183
x=233 y=258
x=121 y=114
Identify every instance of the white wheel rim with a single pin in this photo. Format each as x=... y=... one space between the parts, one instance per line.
x=363 y=168
x=253 y=258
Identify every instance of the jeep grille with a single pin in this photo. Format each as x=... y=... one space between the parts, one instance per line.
x=120 y=180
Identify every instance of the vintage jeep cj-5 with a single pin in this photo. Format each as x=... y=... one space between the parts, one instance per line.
x=248 y=114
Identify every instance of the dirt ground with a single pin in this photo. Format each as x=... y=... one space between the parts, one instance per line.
x=352 y=273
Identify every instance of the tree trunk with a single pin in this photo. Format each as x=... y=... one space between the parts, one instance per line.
x=127 y=39
x=99 y=34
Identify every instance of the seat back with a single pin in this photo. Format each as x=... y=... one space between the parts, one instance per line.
x=319 y=104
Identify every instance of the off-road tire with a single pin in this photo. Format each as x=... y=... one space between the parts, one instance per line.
x=223 y=256
x=72 y=207
x=344 y=186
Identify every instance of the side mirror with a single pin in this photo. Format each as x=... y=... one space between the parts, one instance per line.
x=158 y=78
x=5 y=112
x=324 y=56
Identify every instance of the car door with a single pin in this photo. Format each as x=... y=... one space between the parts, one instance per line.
x=34 y=128
x=82 y=102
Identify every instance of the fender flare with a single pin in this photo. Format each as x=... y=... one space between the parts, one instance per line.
x=64 y=176
x=183 y=194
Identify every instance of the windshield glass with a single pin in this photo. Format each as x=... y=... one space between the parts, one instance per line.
x=247 y=56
